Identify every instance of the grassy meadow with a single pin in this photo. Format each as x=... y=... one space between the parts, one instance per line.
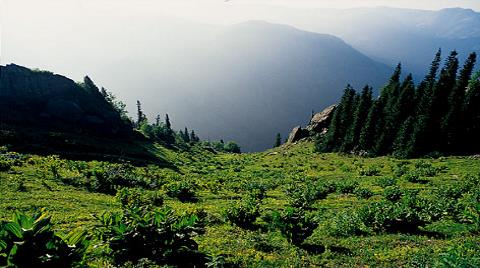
x=286 y=207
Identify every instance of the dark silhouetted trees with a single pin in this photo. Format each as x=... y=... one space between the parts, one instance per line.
x=441 y=115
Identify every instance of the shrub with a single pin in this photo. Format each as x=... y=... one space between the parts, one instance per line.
x=346 y=224
x=369 y=171
x=256 y=190
x=414 y=177
x=363 y=193
x=105 y=179
x=407 y=215
x=244 y=213
x=159 y=235
x=393 y=193
x=385 y=182
x=400 y=169
x=463 y=255
x=134 y=197
x=425 y=168
x=183 y=191
x=294 y=224
x=347 y=186
x=29 y=241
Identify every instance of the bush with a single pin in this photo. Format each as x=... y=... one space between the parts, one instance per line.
x=424 y=168
x=414 y=177
x=369 y=171
x=29 y=241
x=385 y=182
x=463 y=255
x=134 y=197
x=407 y=215
x=107 y=178
x=244 y=213
x=302 y=196
x=294 y=224
x=183 y=191
x=160 y=236
x=393 y=193
x=347 y=186
x=346 y=224
x=400 y=169
x=363 y=193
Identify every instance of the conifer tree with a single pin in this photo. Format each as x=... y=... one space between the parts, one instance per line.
x=193 y=137
x=387 y=128
x=418 y=142
x=360 y=116
x=369 y=132
x=167 y=122
x=453 y=122
x=278 y=140
x=472 y=115
x=186 y=137
x=140 y=115
x=342 y=118
x=439 y=102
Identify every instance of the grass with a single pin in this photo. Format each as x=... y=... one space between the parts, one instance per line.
x=222 y=180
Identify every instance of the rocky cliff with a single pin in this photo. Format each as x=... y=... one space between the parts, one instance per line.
x=51 y=102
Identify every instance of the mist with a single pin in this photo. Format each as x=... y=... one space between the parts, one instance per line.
x=178 y=57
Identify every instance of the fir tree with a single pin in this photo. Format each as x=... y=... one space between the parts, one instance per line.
x=186 y=137
x=453 y=123
x=140 y=115
x=278 y=140
x=360 y=116
x=472 y=115
x=167 y=122
x=370 y=130
x=439 y=102
x=342 y=118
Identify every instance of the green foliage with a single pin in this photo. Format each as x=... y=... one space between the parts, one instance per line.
x=414 y=177
x=160 y=235
x=134 y=197
x=369 y=171
x=295 y=224
x=464 y=255
x=183 y=191
x=363 y=193
x=346 y=224
x=29 y=241
x=386 y=181
x=243 y=213
x=347 y=186
x=107 y=178
x=393 y=193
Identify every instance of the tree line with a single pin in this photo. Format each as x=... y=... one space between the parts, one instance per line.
x=441 y=115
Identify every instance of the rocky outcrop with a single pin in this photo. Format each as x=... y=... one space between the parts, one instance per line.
x=321 y=120
x=317 y=125
x=297 y=134
x=51 y=102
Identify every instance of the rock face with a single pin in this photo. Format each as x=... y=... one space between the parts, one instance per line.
x=47 y=101
x=318 y=125
x=297 y=134
x=321 y=120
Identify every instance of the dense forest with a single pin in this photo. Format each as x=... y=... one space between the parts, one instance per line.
x=440 y=116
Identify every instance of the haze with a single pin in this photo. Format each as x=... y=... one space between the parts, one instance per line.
x=173 y=56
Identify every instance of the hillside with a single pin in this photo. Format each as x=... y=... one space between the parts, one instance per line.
x=367 y=211
x=263 y=78
x=46 y=113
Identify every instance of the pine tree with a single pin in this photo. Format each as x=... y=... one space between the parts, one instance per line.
x=167 y=122
x=418 y=142
x=186 y=137
x=453 y=123
x=360 y=116
x=193 y=137
x=278 y=140
x=388 y=127
x=472 y=115
x=140 y=115
x=439 y=103
x=341 y=120
x=370 y=129
x=157 y=120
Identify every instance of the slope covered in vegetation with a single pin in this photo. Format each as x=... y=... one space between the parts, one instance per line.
x=287 y=207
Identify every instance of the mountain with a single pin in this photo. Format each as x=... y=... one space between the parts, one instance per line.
x=391 y=35
x=258 y=79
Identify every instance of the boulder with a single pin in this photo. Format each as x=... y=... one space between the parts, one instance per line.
x=320 y=121
x=297 y=134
